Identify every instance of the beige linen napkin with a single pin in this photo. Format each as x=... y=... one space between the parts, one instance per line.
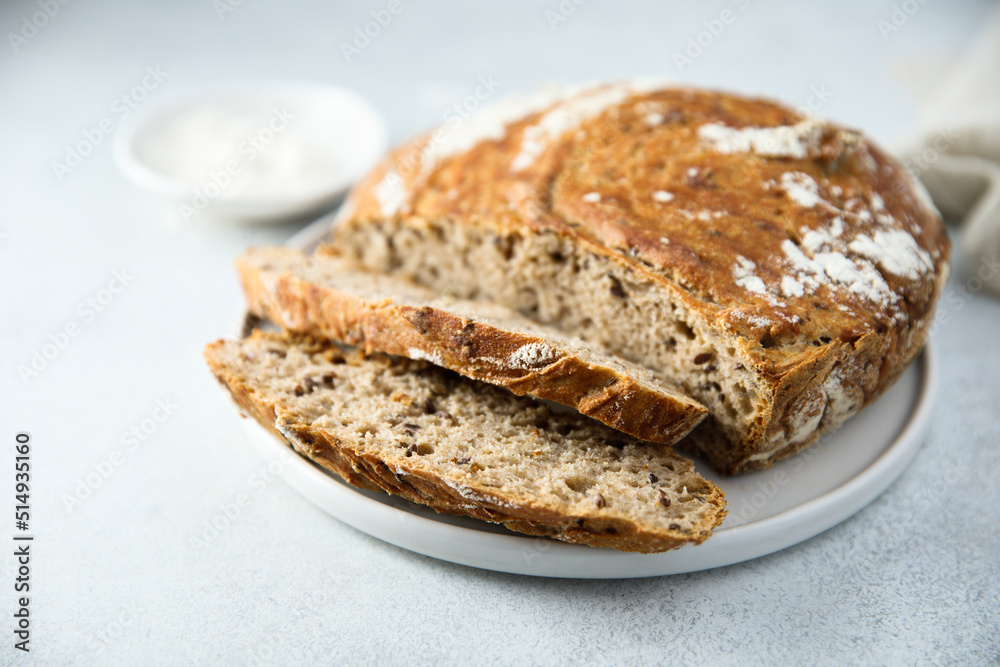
x=956 y=151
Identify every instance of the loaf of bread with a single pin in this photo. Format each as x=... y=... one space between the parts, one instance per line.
x=460 y=446
x=325 y=298
x=781 y=269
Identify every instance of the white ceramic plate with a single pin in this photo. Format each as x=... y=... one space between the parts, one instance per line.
x=346 y=137
x=769 y=510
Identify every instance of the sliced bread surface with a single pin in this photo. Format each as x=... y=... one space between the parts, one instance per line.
x=326 y=297
x=464 y=447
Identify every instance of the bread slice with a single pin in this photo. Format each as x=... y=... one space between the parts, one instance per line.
x=781 y=269
x=323 y=297
x=463 y=447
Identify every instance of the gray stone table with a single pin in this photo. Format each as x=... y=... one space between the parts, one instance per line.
x=913 y=578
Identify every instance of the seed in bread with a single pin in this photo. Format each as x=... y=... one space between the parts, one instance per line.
x=463 y=447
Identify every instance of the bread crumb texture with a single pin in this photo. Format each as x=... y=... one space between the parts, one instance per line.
x=459 y=446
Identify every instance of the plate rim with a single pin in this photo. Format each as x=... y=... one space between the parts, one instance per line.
x=491 y=551
x=437 y=539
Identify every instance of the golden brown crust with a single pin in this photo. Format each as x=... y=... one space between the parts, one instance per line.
x=475 y=348
x=820 y=258
x=418 y=485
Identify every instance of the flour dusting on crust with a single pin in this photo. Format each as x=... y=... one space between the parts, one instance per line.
x=433 y=357
x=895 y=251
x=745 y=278
x=569 y=114
x=391 y=193
x=791 y=287
x=490 y=123
x=832 y=268
x=793 y=141
x=801 y=188
x=531 y=355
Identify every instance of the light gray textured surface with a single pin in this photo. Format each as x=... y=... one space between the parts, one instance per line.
x=914 y=578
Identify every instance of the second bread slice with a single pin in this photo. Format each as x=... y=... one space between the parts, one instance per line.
x=324 y=297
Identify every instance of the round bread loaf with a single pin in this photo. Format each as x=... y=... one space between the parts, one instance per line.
x=782 y=269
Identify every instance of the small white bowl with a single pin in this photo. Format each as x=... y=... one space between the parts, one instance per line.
x=253 y=152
